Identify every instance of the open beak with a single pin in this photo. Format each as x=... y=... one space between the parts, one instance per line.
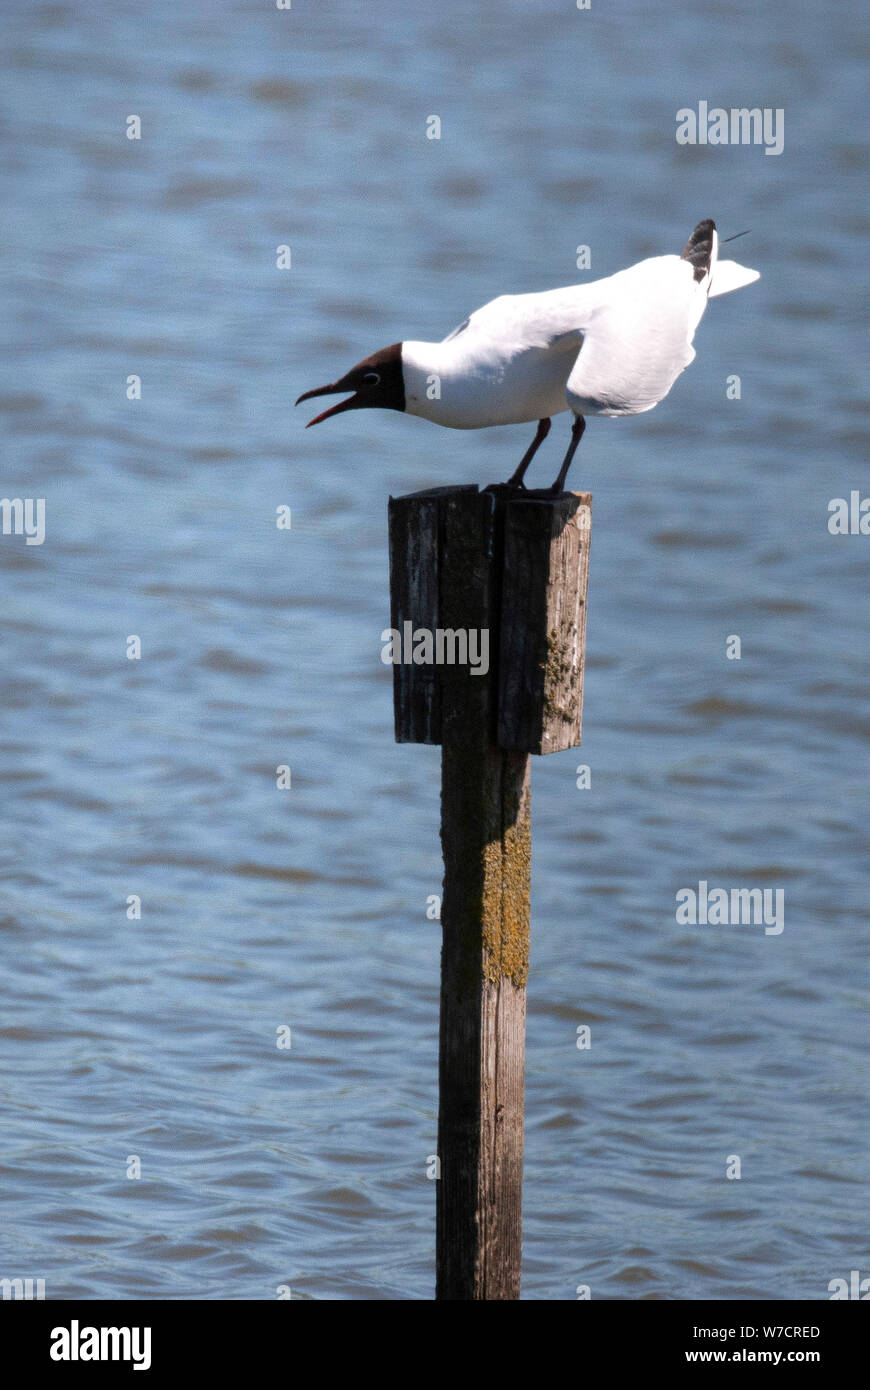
x=333 y=389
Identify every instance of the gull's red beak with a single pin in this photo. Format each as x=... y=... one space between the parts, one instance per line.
x=333 y=389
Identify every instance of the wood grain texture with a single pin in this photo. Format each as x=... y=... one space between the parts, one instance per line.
x=543 y=623
x=415 y=526
x=486 y=840
x=516 y=567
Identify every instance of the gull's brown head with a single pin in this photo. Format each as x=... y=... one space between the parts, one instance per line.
x=375 y=381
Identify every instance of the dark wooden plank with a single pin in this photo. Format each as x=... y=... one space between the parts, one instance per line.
x=415 y=526
x=543 y=622
x=486 y=840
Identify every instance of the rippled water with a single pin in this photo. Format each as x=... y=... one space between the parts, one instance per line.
x=260 y=647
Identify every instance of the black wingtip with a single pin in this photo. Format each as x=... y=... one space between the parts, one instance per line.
x=698 y=250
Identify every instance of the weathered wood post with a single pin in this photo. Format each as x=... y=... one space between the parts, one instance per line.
x=488 y=599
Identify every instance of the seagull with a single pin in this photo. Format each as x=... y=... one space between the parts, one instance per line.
x=612 y=347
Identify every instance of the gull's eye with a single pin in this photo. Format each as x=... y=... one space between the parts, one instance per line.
x=372 y=379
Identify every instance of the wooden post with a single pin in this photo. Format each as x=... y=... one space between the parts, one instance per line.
x=513 y=566
x=416 y=523
x=543 y=630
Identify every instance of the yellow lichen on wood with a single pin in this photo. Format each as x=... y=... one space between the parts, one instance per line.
x=507 y=895
x=558 y=666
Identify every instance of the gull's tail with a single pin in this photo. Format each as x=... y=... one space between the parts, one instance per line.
x=729 y=276
x=702 y=249
x=702 y=253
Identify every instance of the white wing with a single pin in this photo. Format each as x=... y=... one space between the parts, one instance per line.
x=611 y=347
x=728 y=276
x=637 y=343
x=527 y=322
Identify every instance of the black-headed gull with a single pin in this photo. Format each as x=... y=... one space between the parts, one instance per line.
x=612 y=347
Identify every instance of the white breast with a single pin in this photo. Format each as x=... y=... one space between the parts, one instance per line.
x=483 y=384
